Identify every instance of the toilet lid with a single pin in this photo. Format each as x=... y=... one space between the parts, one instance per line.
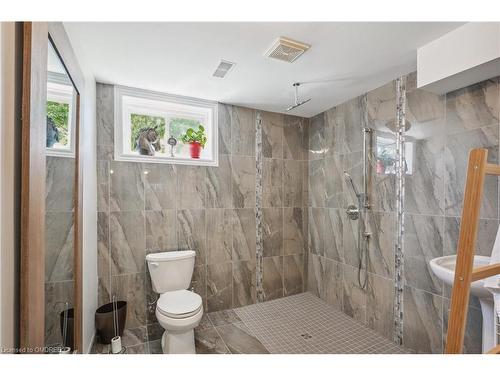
x=179 y=303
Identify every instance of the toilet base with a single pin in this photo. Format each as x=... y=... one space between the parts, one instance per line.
x=176 y=342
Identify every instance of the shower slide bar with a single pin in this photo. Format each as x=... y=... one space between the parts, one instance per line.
x=465 y=273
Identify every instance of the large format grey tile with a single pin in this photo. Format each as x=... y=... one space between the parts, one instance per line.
x=239 y=340
x=243 y=131
x=423 y=242
x=272 y=134
x=272 y=183
x=294 y=241
x=422 y=329
x=244 y=233
x=224 y=112
x=354 y=297
x=244 y=291
x=272 y=280
x=293 y=183
x=59 y=184
x=219 y=286
x=293 y=274
x=56 y=296
x=59 y=249
x=317 y=137
x=295 y=141
x=160 y=186
x=191 y=186
x=381 y=243
x=105 y=114
x=208 y=341
x=456 y=157
x=191 y=233
x=127 y=187
x=273 y=231
x=243 y=183
x=161 y=232
x=218 y=184
x=127 y=239
x=473 y=107
x=219 y=235
x=380 y=305
x=130 y=288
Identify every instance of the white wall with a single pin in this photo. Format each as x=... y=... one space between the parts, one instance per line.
x=88 y=149
x=462 y=57
x=8 y=189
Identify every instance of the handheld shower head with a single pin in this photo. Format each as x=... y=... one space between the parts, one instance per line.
x=349 y=181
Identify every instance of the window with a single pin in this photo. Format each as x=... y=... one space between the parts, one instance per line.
x=61 y=114
x=386 y=156
x=152 y=127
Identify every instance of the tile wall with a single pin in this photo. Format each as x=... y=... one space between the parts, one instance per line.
x=145 y=208
x=443 y=129
x=58 y=243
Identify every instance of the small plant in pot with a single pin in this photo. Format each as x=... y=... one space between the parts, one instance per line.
x=196 y=140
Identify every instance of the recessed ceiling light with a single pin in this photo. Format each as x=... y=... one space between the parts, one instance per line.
x=223 y=68
x=285 y=49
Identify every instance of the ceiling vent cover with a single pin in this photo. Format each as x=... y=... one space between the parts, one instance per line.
x=287 y=50
x=223 y=68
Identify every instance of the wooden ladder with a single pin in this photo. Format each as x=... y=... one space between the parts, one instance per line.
x=465 y=274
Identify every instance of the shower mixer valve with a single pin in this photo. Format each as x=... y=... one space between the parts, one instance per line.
x=352 y=212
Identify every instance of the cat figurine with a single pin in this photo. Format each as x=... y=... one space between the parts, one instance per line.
x=148 y=142
x=52 y=133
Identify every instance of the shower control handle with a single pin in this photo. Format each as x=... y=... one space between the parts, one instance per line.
x=352 y=212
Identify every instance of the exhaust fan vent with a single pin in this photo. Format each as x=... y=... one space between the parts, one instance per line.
x=287 y=50
x=223 y=68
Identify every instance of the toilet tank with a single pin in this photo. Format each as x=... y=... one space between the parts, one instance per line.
x=171 y=270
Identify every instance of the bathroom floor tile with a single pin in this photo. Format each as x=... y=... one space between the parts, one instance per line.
x=303 y=323
x=240 y=340
x=208 y=341
x=219 y=318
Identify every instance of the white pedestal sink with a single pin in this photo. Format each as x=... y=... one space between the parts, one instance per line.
x=444 y=269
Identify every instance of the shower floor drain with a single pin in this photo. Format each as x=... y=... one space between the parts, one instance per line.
x=306 y=336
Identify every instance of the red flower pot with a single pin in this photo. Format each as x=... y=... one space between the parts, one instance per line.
x=195 y=149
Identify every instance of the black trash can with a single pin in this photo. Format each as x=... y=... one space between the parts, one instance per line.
x=69 y=342
x=104 y=320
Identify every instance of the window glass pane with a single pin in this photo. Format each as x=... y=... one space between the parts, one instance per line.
x=177 y=128
x=140 y=124
x=386 y=156
x=58 y=120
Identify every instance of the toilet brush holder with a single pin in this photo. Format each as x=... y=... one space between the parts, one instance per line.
x=116 y=345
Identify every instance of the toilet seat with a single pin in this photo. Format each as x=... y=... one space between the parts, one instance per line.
x=179 y=304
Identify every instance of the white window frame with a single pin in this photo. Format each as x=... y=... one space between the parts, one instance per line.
x=130 y=100
x=60 y=89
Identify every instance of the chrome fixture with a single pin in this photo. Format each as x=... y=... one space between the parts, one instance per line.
x=352 y=212
x=298 y=102
x=359 y=212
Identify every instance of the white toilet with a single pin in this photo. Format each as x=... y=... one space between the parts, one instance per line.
x=178 y=310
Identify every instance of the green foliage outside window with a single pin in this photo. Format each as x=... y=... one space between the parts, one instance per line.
x=143 y=122
x=176 y=128
x=58 y=113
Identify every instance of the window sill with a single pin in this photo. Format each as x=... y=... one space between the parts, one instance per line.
x=167 y=160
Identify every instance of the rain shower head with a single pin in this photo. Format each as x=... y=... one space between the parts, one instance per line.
x=349 y=181
x=393 y=125
x=298 y=102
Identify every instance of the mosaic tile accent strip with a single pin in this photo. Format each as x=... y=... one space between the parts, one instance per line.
x=303 y=323
x=400 y=197
x=258 y=208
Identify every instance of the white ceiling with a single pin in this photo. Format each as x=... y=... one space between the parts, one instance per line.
x=179 y=58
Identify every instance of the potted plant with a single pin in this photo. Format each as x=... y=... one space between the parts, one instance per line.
x=196 y=140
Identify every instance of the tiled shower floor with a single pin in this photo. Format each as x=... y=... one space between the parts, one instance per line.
x=301 y=323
